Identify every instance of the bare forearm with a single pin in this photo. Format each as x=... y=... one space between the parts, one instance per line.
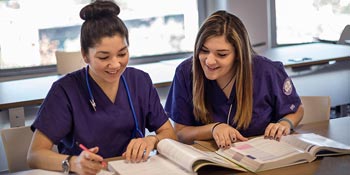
x=189 y=134
x=166 y=131
x=46 y=159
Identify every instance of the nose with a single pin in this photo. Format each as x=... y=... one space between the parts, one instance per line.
x=210 y=60
x=114 y=63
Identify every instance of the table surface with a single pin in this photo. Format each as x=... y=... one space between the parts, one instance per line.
x=32 y=91
x=308 y=54
x=25 y=92
x=336 y=129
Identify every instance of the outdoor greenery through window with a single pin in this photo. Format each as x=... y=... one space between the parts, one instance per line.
x=303 y=21
x=32 y=30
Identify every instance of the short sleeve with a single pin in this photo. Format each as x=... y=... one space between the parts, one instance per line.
x=179 y=105
x=286 y=98
x=54 y=116
x=156 y=116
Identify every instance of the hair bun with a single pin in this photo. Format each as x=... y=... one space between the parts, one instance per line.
x=99 y=9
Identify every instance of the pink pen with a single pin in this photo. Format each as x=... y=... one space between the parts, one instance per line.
x=86 y=149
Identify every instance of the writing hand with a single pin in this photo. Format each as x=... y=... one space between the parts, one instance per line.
x=88 y=162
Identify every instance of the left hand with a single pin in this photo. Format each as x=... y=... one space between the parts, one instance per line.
x=276 y=131
x=139 y=149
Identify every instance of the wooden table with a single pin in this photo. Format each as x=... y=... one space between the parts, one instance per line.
x=336 y=129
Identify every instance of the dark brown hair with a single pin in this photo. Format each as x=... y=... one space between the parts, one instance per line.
x=101 y=20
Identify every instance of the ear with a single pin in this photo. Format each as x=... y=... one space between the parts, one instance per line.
x=85 y=57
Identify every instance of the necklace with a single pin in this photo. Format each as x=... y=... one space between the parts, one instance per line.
x=228 y=82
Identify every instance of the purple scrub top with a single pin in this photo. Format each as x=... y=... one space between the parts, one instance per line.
x=66 y=115
x=274 y=96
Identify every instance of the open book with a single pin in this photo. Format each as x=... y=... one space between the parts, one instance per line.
x=261 y=154
x=173 y=158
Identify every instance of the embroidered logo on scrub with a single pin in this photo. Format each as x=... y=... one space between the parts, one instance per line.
x=287 y=86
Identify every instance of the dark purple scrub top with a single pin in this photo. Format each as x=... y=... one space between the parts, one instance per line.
x=274 y=96
x=66 y=115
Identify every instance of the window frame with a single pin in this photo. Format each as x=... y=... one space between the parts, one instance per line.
x=16 y=73
x=273 y=31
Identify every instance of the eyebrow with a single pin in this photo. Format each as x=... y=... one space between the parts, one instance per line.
x=105 y=52
x=220 y=50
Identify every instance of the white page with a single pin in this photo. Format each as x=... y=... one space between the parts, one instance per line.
x=263 y=149
x=155 y=165
x=186 y=155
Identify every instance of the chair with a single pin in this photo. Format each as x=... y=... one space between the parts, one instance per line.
x=16 y=142
x=69 y=61
x=345 y=35
x=316 y=108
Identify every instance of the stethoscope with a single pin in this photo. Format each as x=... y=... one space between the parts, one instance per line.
x=93 y=104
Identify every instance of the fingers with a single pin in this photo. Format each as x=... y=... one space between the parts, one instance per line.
x=91 y=154
x=138 y=150
x=89 y=162
x=240 y=137
x=275 y=131
x=224 y=135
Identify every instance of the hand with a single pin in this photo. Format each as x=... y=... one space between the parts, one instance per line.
x=139 y=149
x=276 y=131
x=224 y=135
x=88 y=162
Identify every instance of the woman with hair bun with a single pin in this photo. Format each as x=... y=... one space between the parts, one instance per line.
x=102 y=110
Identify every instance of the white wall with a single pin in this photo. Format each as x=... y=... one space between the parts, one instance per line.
x=253 y=13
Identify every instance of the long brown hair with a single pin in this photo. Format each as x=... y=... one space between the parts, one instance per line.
x=222 y=23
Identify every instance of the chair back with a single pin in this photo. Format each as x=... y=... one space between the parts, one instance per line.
x=316 y=108
x=16 y=143
x=345 y=35
x=69 y=61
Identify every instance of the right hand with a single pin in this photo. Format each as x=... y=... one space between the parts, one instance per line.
x=88 y=162
x=224 y=135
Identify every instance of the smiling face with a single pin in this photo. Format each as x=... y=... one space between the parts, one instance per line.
x=108 y=59
x=217 y=58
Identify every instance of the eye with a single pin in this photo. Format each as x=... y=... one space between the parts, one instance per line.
x=203 y=50
x=103 y=58
x=122 y=54
x=222 y=54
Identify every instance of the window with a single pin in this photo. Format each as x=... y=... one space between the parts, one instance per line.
x=304 y=21
x=31 y=31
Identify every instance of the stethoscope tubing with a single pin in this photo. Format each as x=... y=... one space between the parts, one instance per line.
x=93 y=104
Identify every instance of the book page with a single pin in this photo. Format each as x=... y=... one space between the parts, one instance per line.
x=182 y=154
x=155 y=165
x=265 y=149
x=318 y=143
x=258 y=152
x=293 y=140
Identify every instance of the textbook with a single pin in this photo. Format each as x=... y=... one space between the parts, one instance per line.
x=173 y=158
x=261 y=154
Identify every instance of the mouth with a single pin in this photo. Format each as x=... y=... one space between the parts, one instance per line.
x=212 y=68
x=112 y=72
